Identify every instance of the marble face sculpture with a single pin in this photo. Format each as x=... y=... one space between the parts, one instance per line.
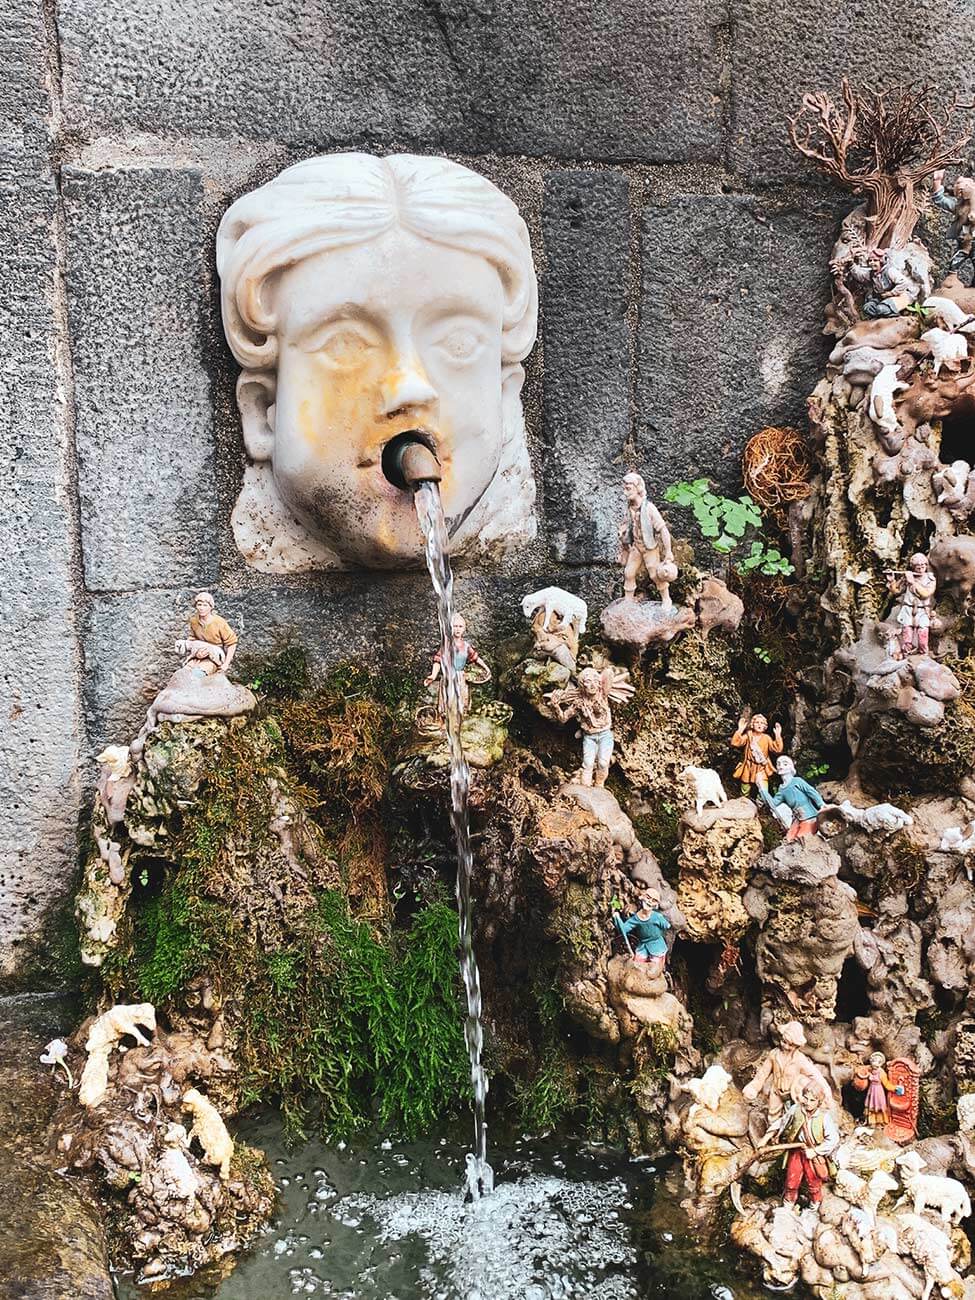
x=364 y=298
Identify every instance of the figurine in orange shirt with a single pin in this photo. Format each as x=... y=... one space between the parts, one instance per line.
x=753 y=737
x=211 y=637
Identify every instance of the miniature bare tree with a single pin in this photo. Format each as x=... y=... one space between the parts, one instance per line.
x=881 y=144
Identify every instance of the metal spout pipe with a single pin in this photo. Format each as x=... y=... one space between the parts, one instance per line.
x=408 y=460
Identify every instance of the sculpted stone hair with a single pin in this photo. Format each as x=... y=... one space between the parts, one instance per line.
x=350 y=198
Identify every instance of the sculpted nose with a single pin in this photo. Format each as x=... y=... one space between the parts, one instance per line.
x=405 y=387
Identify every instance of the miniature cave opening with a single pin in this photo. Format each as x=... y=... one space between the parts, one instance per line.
x=958 y=432
x=852 y=996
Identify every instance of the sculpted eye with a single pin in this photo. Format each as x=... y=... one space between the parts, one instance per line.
x=460 y=343
x=346 y=345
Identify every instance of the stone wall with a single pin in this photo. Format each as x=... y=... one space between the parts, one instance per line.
x=681 y=250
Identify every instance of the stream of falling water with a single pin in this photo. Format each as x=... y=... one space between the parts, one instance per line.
x=480 y=1176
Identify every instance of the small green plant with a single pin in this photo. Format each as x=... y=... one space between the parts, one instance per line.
x=816 y=770
x=726 y=523
x=762 y=654
x=918 y=310
x=544 y=1100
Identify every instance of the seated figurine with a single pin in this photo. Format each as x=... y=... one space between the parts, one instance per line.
x=795 y=798
x=199 y=688
x=212 y=641
x=644 y=932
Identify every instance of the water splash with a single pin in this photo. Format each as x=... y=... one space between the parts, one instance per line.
x=537 y=1238
x=480 y=1176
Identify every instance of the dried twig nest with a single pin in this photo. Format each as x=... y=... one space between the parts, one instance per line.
x=776 y=467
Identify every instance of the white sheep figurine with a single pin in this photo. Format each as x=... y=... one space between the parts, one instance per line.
x=567 y=608
x=958 y=839
x=949 y=315
x=882 y=390
x=946 y=1195
x=210 y=1130
x=878 y=817
x=708 y=1090
x=707 y=787
x=930 y=1247
x=946 y=349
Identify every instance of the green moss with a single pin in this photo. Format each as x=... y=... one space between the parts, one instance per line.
x=172 y=939
x=659 y=834
x=360 y=1025
x=546 y=1099
x=260 y=861
x=281 y=675
x=576 y=922
x=551 y=1094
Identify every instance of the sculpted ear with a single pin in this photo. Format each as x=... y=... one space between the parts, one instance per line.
x=512 y=380
x=256 y=390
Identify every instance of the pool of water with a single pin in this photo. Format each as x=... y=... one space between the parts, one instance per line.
x=388 y=1221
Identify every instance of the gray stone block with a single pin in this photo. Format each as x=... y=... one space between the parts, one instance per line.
x=568 y=77
x=571 y=78
x=24 y=98
x=39 y=740
x=139 y=305
x=729 y=336
x=809 y=45
x=588 y=363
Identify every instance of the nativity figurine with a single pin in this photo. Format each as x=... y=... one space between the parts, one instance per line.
x=809 y=1126
x=212 y=642
x=960 y=203
x=752 y=735
x=914 y=587
x=464 y=657
x=873 y=1079
x=589 y=703
x=200 y=687
x=795 y=800
x=645 y=543
x=644 y=932
x=558 y=619
x=784 y=1070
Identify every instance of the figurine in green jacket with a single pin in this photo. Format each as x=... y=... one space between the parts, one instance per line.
x=645 y=930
